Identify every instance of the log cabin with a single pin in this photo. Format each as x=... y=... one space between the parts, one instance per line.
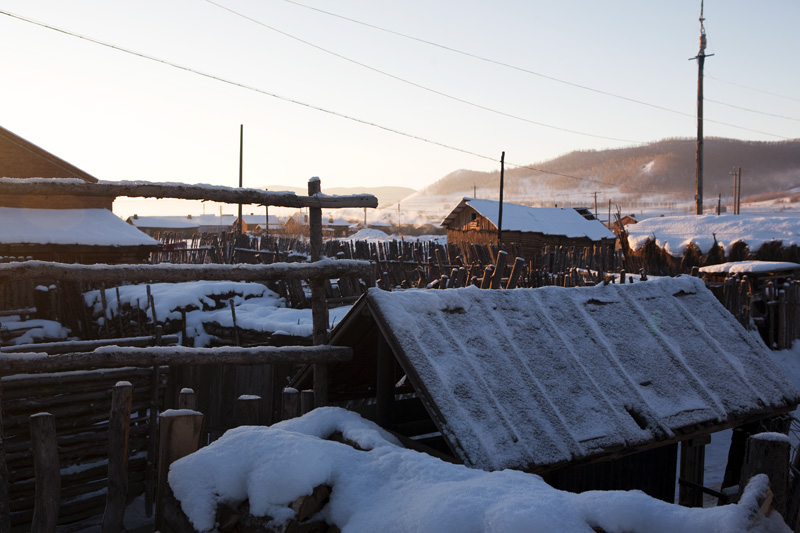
x=476 y=221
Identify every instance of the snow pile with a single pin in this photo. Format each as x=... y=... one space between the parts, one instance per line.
x=368 y=234
x=88 y=227
x=749 y=267
x=674 y=234
x=391 y=489
x=257 y=308
x=37 y=329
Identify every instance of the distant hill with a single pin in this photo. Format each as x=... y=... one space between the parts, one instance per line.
x=385 y=195
x=667 y=167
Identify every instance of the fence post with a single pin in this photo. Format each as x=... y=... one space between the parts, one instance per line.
x=46 y=469
x=307 y=402
x=5 y=512
x=187 y=399
x=768 y=453
x=248 y=410
x=319 y=306
x=291 y=403
x=179 y=435
x=118 y=432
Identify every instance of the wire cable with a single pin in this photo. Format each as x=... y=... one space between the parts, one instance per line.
x=751 y=110
x=310 y=106
x=418 y=85
x=527 y=71
x=746 y=87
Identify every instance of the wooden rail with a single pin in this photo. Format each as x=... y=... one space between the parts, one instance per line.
x=144 y=189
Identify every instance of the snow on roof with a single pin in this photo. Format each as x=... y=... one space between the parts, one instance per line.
x=750 y=267
x=546 y=220
x=163 y=222
x=674 y=234
x=368 y=234
x=389 y=488
x=261 y=219
x=530 y=378
x=88 y=227
x=214 y=220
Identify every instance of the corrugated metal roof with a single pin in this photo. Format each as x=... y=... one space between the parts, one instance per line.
x=530 y=378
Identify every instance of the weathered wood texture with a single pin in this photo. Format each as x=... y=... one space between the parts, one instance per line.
x=140 y=189
x=43 y=270
x=81 y=423
x=179 y=435
x=47 y=475
x=118 y=357
x=118 y=450
x=768 y=453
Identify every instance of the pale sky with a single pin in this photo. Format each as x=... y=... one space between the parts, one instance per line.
x=121 y=117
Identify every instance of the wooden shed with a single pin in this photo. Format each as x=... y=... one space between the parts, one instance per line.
x=20 y=158
x=591 y=387
x=475 y=221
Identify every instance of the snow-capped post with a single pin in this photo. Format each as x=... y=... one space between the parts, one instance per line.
x=290 y=401
x=499 y=269
x=319 y=306
x=179 y=435
x=248 y=410
x=516 y=272
x=47 y=472
x=118 y=432
x=768 y=453
x=187 y=399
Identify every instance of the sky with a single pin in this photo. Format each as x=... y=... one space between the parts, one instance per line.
x=120 y=116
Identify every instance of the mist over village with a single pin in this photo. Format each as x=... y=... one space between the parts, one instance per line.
x=298 y=266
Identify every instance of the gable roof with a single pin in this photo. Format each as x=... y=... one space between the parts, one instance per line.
x=85 y=227
x=166 y=222
x=533 y=379
x=23 y=159
x=564 y=221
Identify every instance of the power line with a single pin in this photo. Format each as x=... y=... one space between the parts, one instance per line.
x=752 y=110
x=528 y=71
x=748 y=87
x=310 y=106
x=415 y=84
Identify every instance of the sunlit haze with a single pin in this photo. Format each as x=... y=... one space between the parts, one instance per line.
x=123 y=117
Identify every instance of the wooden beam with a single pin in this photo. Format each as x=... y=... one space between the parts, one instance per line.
x=86 y=346
x=117 y=357
x=143 y=189
x=174 y=273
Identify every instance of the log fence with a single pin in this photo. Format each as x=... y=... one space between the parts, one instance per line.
x=146 y=369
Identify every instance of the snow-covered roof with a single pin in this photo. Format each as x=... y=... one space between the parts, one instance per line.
x=384 y=487
x=564 y=221
x=750 y=267
x=261 y=220
x=535 y=378
x=89 y=227
x=170 y=222
x=214 y=220
x=674 y=234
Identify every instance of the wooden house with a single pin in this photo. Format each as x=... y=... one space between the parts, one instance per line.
x=86 y=236
x=334 y=227
x=590 y=387
x=257 y=224
x=20 y=158
x=297 y=224
x=475 y=221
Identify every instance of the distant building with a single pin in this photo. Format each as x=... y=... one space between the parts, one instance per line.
x=475 y=221
x=297 y=224
x=258 y=224
x=183 y=226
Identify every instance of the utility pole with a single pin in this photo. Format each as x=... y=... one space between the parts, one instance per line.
x=701 y=59
x=595 y=204
x=738 y=190
x=500 y=212
x=241 y=152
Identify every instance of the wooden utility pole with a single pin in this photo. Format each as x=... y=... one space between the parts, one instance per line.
x=738 y=190
x=241 y=153
x=595 y=205
x=701 y=58
x=500 y=211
